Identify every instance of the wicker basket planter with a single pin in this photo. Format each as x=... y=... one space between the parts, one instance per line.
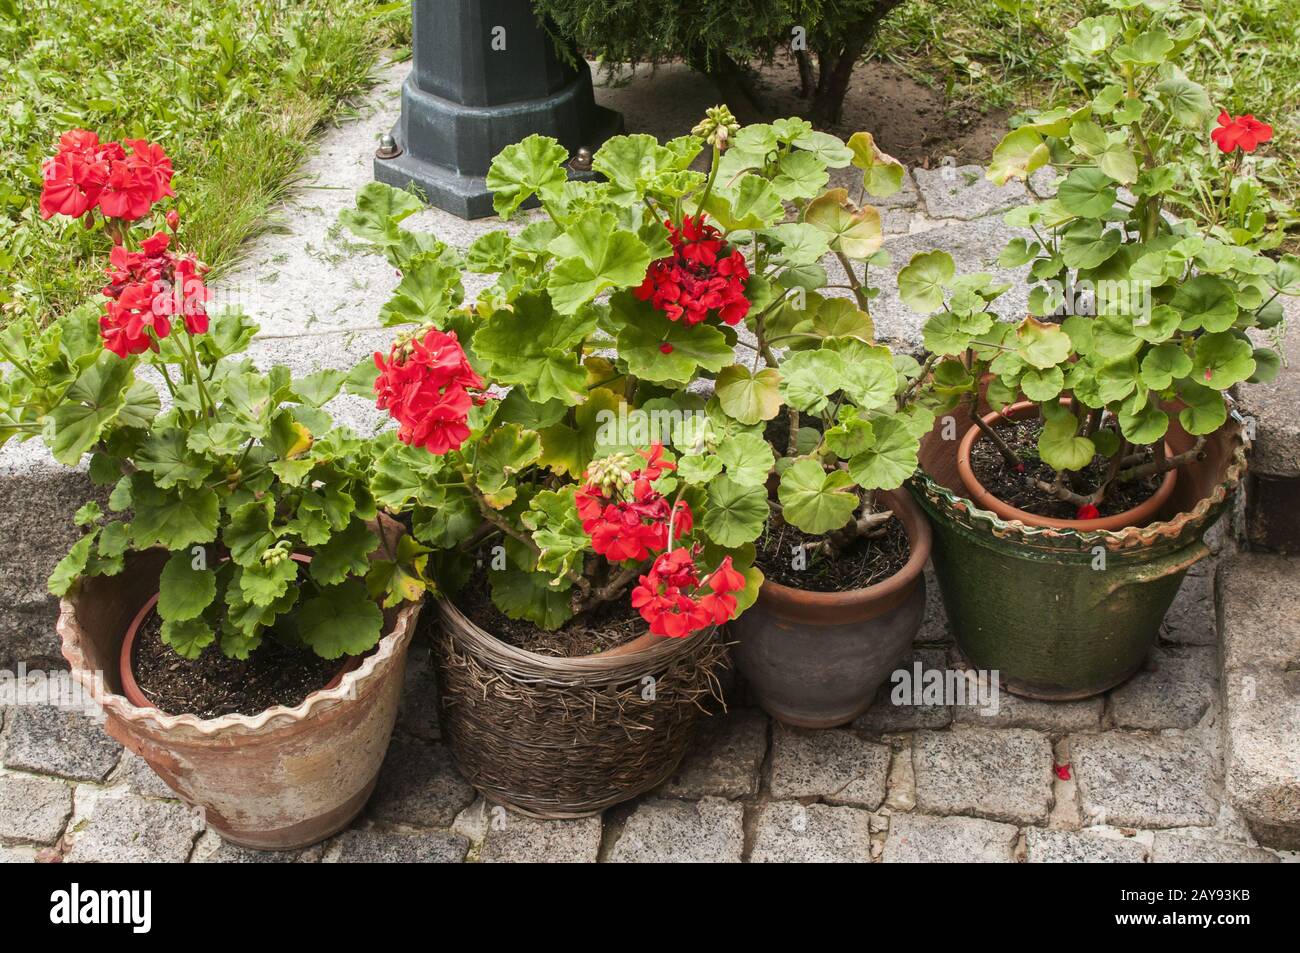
x=560 y=738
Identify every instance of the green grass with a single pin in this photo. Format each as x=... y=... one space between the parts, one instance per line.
x=1004 y=54
x=233 y=89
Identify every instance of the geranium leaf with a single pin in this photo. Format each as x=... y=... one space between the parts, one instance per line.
x=750 y=204
x=816 y=501
x=174 y=519
x=534 y=346
x=1143 y=426
x=1222 y=360
x=748 y=458
x=378 y=211
x=499 y=457
x=595 y=255
x=882 y=174
x=922 y=281
x=736 y=513
x=1205 y=302
x=809 y=378
x=342 y=620
x=1087 y=192
x=1020 y=153
x=1040 y=344
x=94 y=399
x=533 y=166
x=856 y=232
x=1059 y=444
x=183 y=591
x=891 y=458
x=1205 y=410
x=556 y=529
x=71 y=566
x=187 y=638
x=747 y=396
x=1164 y=364
x=344 y=554
x=166 y=456
x=660 y=350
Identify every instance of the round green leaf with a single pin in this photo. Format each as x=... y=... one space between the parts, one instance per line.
x=749 y=397
x=816 y=501
x=735 y=513
x=921 y=282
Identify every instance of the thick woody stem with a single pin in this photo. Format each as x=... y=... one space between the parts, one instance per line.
x=611 y=590
x=994 y=437
x=867 y=525
x=1162 y=464
x=1060 y=492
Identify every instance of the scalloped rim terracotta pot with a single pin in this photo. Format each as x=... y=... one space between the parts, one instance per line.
x=279 y=780
x=817 y=659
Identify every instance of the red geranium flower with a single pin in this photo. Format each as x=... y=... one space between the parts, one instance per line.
x=127 y=194
x=668 y=596
x=1087 y=512
x=85 y=174
x=151 y=167
x=62 y=194
x=425 y=385
x=699 y=278
x=128 y=319
x=1241 y=132
x=621 y=511
x=146 y=290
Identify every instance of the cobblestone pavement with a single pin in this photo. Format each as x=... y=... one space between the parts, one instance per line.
x=1137 y=775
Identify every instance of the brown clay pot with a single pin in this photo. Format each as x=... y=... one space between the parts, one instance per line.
x=1140 y=515
x=816 y=659
x=131 y=689
x=279 y=780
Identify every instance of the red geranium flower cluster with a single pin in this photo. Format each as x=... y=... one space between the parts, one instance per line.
x=425 y=384
x=623 y=514
x=1241 y=132
x=699 y=277
x=146 y=290
x=669 y=596
x=122 y=179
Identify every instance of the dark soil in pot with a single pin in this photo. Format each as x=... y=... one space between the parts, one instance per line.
x=1017 y=489
x=213 y=685
x=614 y=624
x=865 y=562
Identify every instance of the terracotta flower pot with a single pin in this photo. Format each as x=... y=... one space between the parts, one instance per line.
x=279 y=780
x=569 y=737
x=1146 y=511
x=126 y=670
x=816 y=659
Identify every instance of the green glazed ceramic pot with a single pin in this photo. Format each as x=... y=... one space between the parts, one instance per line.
x=1063 y=614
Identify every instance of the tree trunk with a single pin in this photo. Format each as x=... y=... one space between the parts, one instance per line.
x=828 y=105
x=735 y=84
x=807 y=74
x=838 y=61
